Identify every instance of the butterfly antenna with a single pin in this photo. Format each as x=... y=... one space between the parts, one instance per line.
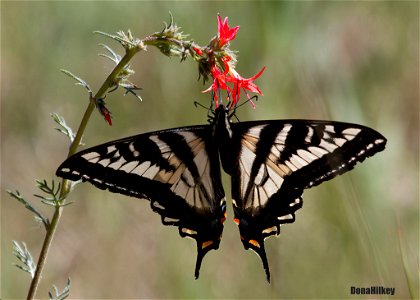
x=210 y=112
x=229 y=104
x=235 y=116
x=255 y=98
x=198 y=104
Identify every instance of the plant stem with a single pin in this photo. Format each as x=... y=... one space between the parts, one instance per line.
x=44 y=251
x=65 y=186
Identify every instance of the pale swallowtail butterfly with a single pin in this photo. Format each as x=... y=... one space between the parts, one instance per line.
x=270 y=164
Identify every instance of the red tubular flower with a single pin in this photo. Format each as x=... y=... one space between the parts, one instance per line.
x=221 y=67
x=243 y=83
x=219 y=82
x=225 y=33
x=219 y=78
x=197 y=50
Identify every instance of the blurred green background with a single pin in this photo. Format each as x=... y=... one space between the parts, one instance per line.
x=349 y=61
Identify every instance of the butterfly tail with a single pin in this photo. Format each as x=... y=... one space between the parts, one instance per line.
x=202 y=249
x=258 y=247
x=264 y=260
x=200 y=256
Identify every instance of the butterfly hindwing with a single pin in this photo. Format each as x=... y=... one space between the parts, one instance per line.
x=178 y=170
x=276 y=160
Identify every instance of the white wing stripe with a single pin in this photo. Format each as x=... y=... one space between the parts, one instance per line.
x=256 y=130
x=351 y=131
x=117 y=164
x=91 y=155
x=151 y=171
x=290 y=165
x=327 y=146
x=104 y=162
x=129 y=167
x=111 y=148
x=319 y=152
x=297 y=161
x=340 y=141
x=133 y=150
x=310 y=134
x=141 y=168
x=306 y=155
x=330 y=128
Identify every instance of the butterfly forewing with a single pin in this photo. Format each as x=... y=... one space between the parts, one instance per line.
x=177 y=170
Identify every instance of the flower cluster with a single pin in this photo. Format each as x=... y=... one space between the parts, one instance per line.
x=216 y=61
x=219 y=61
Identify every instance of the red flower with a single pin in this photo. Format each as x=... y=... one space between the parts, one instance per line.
x=219 y=80
x=221 y=66
x=243 y=83
x=225 y=33
x=197 y=50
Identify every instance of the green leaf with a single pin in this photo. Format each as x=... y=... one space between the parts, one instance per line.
x=115 y=57
x=125 y=39
x=22 y=200
x=79 y=81
x=64 y=128
x=23 y=254
x=52 y=191
x=64 y=293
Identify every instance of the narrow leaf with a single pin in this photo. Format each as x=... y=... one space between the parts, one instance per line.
x=28 y=206
x=23 y=254
x=64 y=128
x=64 y=293
x=78 y=79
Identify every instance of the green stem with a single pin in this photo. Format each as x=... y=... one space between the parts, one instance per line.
x=65 y=186
x=44 y=252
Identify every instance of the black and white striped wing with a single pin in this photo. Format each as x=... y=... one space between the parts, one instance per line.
x=277 y=160
x=178 y=170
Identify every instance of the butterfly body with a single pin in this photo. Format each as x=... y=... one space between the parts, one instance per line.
x=270 y=164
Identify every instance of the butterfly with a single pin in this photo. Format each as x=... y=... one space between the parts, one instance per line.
x=270 y=163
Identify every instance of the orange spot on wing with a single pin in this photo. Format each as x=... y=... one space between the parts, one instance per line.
x=255 y=243
x=206 y=244
x=223 y=219
x=236 y=221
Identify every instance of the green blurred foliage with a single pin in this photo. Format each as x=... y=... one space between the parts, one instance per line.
x=349 y=61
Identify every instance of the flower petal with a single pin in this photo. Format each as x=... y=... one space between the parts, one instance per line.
x=225 y=33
